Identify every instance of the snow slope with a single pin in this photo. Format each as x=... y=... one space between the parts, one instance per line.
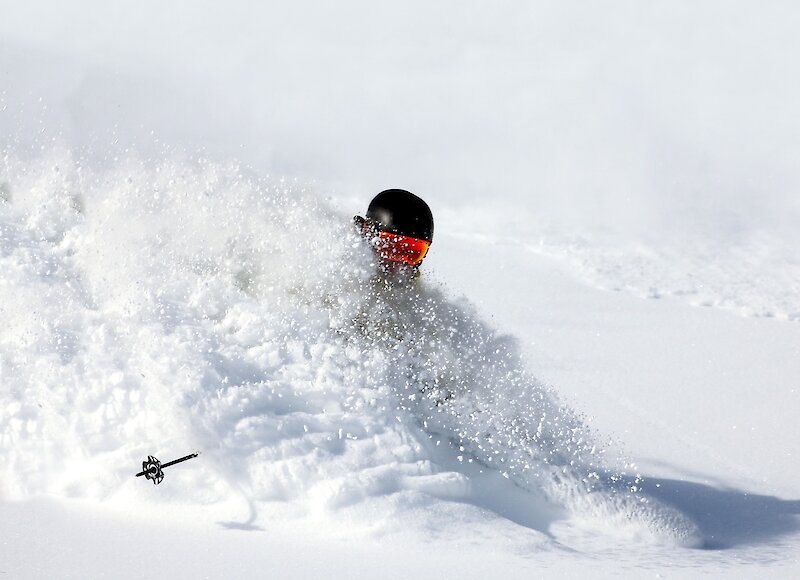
x=316 y=392
x=547 y=399
x=300 y=374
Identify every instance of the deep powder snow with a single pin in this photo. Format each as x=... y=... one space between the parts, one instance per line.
x=180 y=305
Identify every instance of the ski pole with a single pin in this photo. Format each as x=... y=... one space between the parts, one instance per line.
x=153 y=469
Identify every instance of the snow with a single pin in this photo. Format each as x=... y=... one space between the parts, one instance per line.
x=596 y=373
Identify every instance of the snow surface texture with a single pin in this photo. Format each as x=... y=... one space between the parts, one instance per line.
x=255 y=327
x=757 y=276
x=748 y=269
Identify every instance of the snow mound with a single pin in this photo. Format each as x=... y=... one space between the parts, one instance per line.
x=170 y=306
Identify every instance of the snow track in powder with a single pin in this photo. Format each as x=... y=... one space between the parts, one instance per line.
x=162 y=307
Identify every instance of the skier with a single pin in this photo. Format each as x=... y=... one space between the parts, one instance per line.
x=399 y=227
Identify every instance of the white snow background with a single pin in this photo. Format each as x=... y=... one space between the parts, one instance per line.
x=597 y=374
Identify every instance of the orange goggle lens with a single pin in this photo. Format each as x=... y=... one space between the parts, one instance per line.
x=396 y=248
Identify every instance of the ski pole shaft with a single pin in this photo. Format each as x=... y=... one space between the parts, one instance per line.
x=173 y=462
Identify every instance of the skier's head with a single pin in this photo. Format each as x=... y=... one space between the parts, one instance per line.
x=400 y=227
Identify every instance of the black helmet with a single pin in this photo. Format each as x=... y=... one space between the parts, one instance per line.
x=399 y=225
x=398 y=211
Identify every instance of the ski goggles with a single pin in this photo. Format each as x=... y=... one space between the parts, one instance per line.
x=396 y=248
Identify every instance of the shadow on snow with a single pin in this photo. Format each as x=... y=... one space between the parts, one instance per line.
x=728 y=517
